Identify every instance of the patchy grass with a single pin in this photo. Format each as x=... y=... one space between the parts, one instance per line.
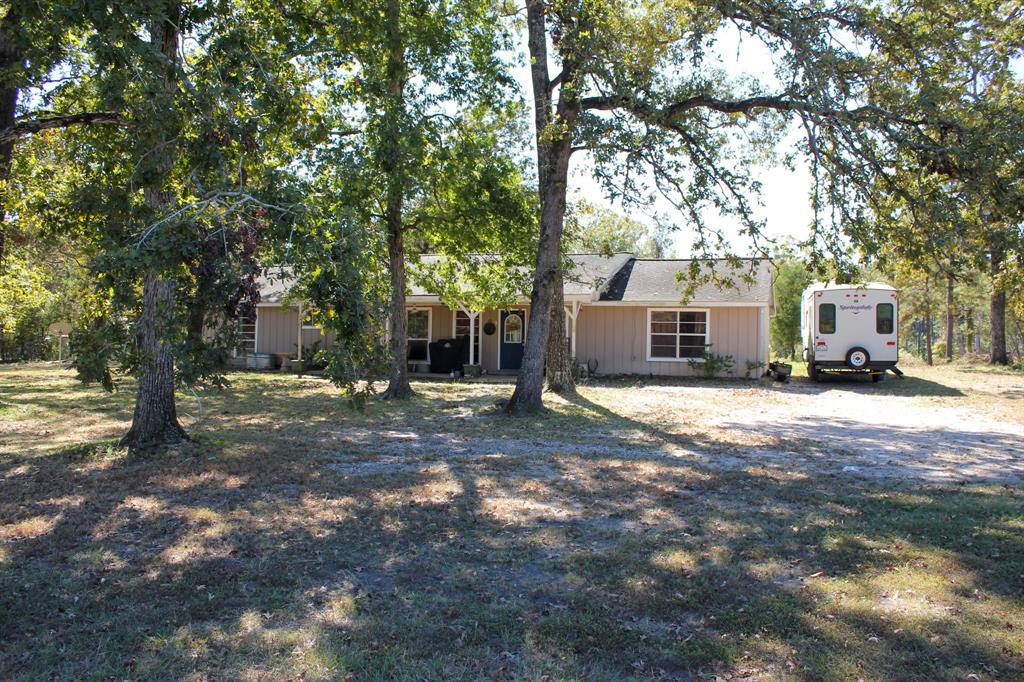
x=439 y=540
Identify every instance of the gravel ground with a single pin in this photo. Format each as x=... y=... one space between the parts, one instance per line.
x=848 y=428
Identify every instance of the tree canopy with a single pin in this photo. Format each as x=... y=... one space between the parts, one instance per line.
x=181 y=147
x=595 y=229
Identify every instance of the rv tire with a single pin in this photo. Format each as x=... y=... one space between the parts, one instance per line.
x=857 y=358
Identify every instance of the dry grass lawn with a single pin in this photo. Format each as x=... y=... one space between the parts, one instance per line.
x=646 y=530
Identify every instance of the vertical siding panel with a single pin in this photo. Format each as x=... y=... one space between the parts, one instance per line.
x=489 y=344
x=277 y=329
x=440 y=323
x=618 y=340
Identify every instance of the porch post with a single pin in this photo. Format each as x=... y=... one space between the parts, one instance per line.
x=472 y=315
x=573 y=314
x=299 y=337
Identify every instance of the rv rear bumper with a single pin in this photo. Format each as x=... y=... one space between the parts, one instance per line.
x=839 y=365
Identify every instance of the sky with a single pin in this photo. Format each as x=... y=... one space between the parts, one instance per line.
x=785 y=205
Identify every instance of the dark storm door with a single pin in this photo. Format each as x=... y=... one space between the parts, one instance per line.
x=513 y=334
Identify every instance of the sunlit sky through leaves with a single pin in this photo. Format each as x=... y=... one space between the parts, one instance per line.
x=785 y=203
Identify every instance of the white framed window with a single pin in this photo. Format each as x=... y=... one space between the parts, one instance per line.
x=246 y=334
x=418 y=334
x=513 y=330
x=461 y=323
x=675 y=334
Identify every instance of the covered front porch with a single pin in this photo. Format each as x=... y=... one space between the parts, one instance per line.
x=492 y=339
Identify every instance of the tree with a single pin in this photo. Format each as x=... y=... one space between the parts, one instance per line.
x=791 y=278
x=956 y=202
x=473 y=202
x=593 y=229
x=637 y=88
x=208 y=107
x=918 y=300
x=35 y=37
x=424 y=84
x=23 y=294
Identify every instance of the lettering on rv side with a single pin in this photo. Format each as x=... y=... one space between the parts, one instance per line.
x=857 y=308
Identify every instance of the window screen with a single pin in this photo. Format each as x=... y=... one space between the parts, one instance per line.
x=884 y=318
x=513 y=328
x=677 y=334
x=827 y=318
x=418 y=332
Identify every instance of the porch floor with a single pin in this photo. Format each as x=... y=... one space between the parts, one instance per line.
x=504 y=377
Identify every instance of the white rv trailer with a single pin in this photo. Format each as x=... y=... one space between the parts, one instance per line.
x=850 y=328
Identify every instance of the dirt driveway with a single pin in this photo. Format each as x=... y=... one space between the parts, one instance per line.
x=931 y=427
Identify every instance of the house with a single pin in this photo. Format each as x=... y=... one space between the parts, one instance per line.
x=623 y=316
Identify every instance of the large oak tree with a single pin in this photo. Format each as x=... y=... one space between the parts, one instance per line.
x=175 y=202
x=640 y=86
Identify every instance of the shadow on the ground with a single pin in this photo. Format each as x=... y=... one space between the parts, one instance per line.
x=246 y=555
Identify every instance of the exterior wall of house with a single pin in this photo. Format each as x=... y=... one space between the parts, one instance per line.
x=277 y=331
x=441 y=319
x=616 y=336
x=489 y=344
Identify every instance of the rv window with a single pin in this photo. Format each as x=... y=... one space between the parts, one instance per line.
x=827 y=318
x=884 y=318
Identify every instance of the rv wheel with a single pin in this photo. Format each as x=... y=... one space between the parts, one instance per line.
x=857 y=358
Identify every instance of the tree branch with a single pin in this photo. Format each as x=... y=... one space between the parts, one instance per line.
x=782 y=102
x=35 y=125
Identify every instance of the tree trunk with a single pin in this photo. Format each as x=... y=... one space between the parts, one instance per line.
x=398 y=377
x=950 y=316
x=997 y=309
x=559 y=365
x=155 y=421
x=11 y=65
x=969 y=339
x=928 y=319
x=554 y=149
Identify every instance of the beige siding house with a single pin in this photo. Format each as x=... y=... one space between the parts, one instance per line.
x=624 y=316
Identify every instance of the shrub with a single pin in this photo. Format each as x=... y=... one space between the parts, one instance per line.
x=711 y=364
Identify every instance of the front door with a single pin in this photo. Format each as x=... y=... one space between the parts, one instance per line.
x=513 y=333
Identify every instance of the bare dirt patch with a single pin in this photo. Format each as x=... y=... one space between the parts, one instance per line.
x=847 y=428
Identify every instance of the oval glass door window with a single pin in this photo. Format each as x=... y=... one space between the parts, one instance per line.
x=513 y=328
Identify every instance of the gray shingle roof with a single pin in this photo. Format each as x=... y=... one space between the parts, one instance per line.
x=657 y=281
x=617 y=278
x=589 y=270
x=274 y=284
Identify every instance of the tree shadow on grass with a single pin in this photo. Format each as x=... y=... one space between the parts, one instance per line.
x=248 y=557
